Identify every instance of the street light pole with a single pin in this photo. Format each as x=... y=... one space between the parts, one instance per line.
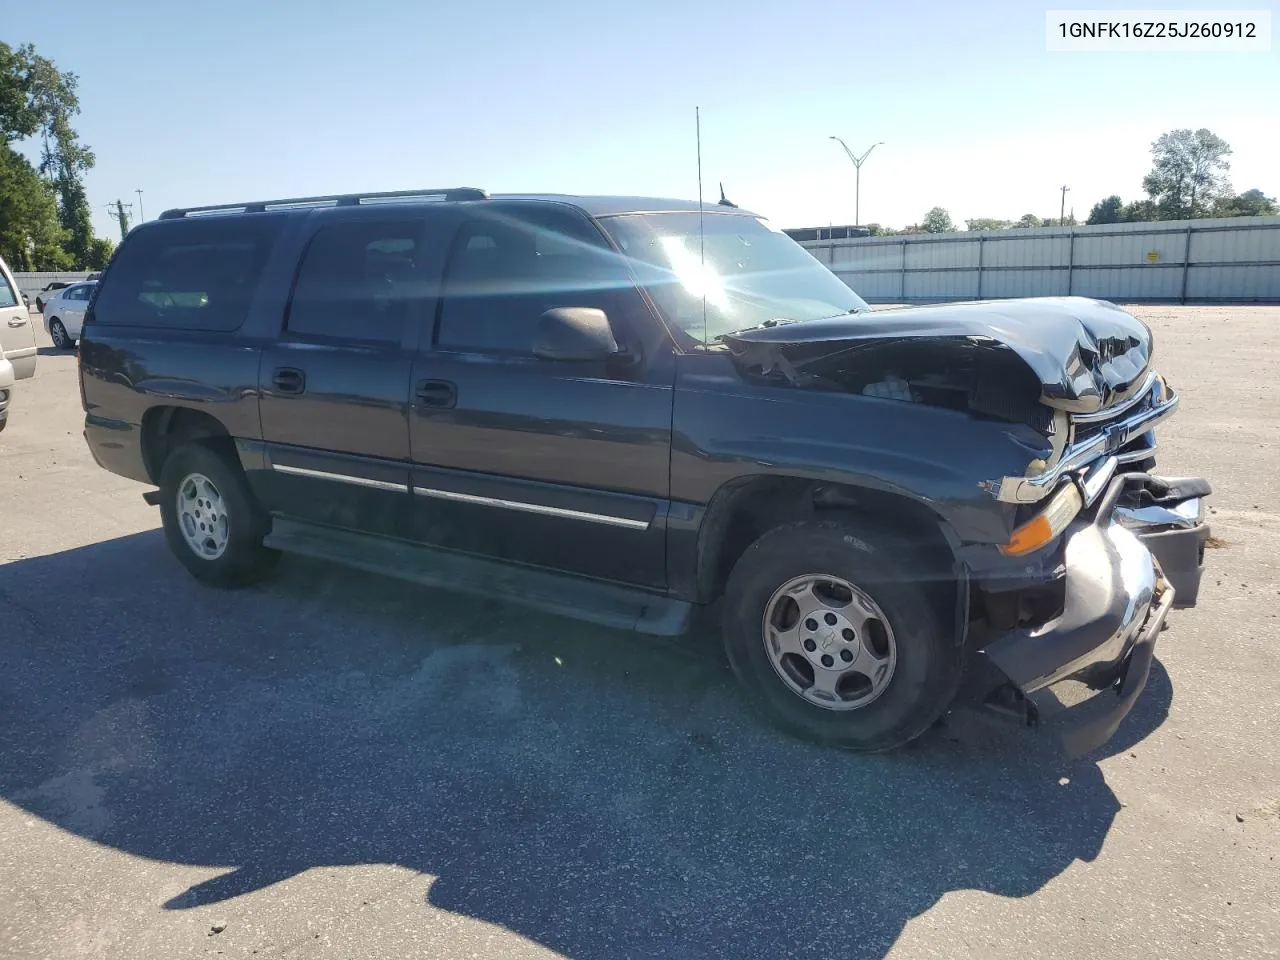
x=1062 y=211
x=142 y=217
x=857 y=176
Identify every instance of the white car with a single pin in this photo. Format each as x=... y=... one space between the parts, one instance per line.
x=6 y=389
x=17 y=341
x=64 y=313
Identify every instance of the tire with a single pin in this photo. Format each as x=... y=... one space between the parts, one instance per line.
x=214 y=490
x=907 y=646
x=58 y=334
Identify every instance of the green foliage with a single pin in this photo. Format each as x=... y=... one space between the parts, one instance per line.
x=30 y=236
x=37 y=99
x=100 y=251
x=1106 y=210
x=1140 y=211
x=937 y=220
x=1027 y=220
x=986 y=223
x=1188 y=173
x=880 y=230
x=1251 y=203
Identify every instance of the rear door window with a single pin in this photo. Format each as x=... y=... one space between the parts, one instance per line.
x=198 y=274
x=359 y=281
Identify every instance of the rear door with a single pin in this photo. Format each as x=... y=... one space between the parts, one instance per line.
x=17 y=337
x=335 y=385
x=72 y=304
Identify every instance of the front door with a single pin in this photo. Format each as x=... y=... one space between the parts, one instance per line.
x=335 y=385
x=17 y=338
x=560 y=464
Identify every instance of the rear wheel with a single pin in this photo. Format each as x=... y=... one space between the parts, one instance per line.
x=212 y=522
x=58 y=334
x=833 y=636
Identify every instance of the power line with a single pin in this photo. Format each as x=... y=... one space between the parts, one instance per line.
x=118 y=211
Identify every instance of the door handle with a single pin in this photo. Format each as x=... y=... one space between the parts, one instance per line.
x=17 y=321
x=289 y=380
x=437 y=393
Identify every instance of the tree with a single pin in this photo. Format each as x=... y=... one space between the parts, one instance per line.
x=37 y=99
x=1251 y=203
x=64 y=159
x=1106 y=210
x=937 y=220
x=1139 y=211
x=986 y=223
x=880 y=230
x=30 y=236
x=1188 y=173
x=1027 y=220
x=100 y=252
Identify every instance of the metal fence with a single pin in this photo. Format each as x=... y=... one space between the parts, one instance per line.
x=1234 y=260
x=33 y=283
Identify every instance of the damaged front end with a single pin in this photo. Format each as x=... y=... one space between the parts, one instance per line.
x=1078 y=663
x=1074 y=370
x=1064 y=616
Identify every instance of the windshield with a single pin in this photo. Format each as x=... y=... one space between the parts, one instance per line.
x=749 y=273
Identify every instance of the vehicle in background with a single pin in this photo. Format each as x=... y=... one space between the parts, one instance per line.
x=17 y=338
x=622 y=409
x=6 y=390
x=49 y=290
x=64 y=313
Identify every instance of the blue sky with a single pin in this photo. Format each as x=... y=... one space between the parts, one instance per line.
x=238 y=100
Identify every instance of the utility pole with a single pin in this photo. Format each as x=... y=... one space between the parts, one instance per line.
x=118 y=211
x=1062 y=212
x=142 y=217
x=857 y=176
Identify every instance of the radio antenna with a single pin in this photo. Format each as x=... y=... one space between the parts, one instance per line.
x=702 y=241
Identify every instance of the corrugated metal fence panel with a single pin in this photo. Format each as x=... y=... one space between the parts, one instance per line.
x=1236 y=259
x=942 y=255
x=1239 y=283
x=1040 y=282
x=33 y=283
x=875 y=287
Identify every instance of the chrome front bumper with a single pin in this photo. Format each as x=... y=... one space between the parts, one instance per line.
x=1081 y=672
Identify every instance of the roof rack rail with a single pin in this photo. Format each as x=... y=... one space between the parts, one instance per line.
x=337 y=199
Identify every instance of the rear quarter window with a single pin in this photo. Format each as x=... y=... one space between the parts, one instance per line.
x=188 y=274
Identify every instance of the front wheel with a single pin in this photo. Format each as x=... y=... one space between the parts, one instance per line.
x=836 y=640
x=211 y=520
x=58 y=334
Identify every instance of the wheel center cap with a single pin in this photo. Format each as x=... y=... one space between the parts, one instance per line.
x=828 y=639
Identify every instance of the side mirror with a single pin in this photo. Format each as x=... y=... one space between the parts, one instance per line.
x=574 y=333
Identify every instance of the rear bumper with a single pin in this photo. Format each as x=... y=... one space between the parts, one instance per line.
x=116 y=446
x=1081 y=673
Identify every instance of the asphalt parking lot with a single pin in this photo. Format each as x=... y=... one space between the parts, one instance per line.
x=338 y=765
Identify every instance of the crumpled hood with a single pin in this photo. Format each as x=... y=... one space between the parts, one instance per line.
x=1086 y=353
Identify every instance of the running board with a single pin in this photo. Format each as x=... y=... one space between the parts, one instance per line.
x=606 y=604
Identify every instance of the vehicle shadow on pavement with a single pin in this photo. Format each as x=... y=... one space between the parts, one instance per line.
x=600 y=794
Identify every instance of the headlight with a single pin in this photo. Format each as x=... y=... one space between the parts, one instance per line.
x=1047 y=525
